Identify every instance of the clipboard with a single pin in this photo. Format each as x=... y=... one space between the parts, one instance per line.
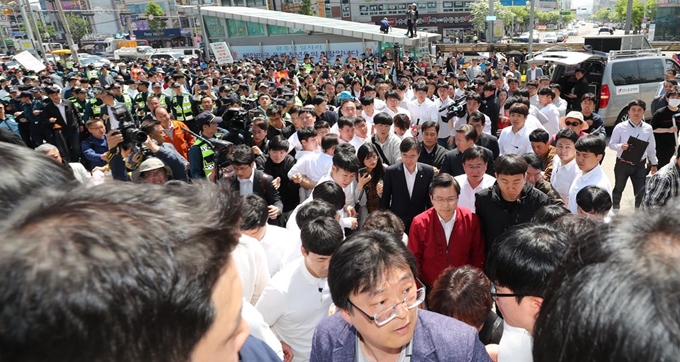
x=636 y=149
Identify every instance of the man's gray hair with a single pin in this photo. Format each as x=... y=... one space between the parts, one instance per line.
x=46 y=147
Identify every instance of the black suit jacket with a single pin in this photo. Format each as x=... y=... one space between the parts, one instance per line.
x=72 y=121
x=396 y=198
x=453 y=162
x=490 y=142
x=263 y=188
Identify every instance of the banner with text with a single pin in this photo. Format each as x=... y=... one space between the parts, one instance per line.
x=221 y=52
x=313 y=50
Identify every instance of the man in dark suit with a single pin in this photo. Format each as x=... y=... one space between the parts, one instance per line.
x=66 y=122
x=393 y=329
x=483 y=139
x=465 y=137
x=580 y=88
x=406 y=184
x=247 y=180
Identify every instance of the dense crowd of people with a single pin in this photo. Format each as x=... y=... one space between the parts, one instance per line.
x=342 y=209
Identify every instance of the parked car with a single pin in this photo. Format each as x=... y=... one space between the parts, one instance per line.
x=605 y=31
x=550 y=38
x=616 y=78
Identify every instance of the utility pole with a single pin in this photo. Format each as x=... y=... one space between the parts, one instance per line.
x=489 y=37
x=204 y=32
x=531 y=27
x=67 y=30
x=4 y=44
x=31 y=23
x=629 y=17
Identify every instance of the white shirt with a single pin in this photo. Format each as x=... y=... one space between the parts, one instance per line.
x=251 y=263
x=595 y=177
x=444 y=131
x=400 y=110
x=563 y=176
x=553 y=125
x=624 y=130
x=277 y=243
x=561 y=105
x=246 y=185
x=62 y=109
x=515 y=143
x=448 y=226
x=515 y=345
x=345 y=220
x=293 y=305
x=533 y=100
x=369 y=119
x=312 y=165
x=357 y=142
x=467 y=193
x=426 y=111
x=112 y=118
x=410 y=179
x=463 y=120
x=259 y=329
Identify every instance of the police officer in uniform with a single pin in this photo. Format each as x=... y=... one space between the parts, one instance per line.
x=96 y=103
x=157 y=90
x=121 y=97
x=182 y=106
x=141 y=99
x=201 y=155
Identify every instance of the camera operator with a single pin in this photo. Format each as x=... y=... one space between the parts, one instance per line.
x=153 y=146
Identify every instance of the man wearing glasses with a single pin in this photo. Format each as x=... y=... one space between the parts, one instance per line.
x=372 y=278
x=445 y=234
x=517 y=283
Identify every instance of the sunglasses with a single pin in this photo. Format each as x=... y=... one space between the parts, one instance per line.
x=572 y=124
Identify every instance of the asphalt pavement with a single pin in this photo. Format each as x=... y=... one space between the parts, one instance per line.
x=628 y=199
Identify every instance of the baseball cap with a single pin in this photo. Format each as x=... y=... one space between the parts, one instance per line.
x=206 y=117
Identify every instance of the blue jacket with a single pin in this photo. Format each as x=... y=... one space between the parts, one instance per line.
x=436 y=338
x=93 y=149
x=254 y=350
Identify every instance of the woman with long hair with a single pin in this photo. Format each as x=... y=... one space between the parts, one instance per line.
x=369 y=188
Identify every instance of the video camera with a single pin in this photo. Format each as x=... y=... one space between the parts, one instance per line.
x=456 y=109
x=239 y=125
x=128 y=127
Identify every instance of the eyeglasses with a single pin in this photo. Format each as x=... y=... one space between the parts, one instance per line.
x=449 y=200
x=386 y=315
x=572 y=124
x=495 y=295
x=153 y=174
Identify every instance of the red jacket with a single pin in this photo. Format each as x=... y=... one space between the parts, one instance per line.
x=426 y=242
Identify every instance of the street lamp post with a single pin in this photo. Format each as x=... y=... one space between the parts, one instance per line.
x=531 y=27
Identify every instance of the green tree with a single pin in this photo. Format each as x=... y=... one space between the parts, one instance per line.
x=520 y=14
x=306 y=8
x=621 y=9
x=480 y=10
x=41 y=29
x=603 y=14
x=78 y=25
x=158 y=23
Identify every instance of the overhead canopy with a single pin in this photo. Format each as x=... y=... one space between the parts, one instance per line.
x=312 y=23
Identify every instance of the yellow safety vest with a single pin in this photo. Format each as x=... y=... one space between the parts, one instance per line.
x=208 y=156
x=92 y=74
x=183 y=110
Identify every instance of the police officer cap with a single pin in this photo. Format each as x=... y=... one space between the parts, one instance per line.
x=26 y=94
x=144 y=83
x=78 y=90
x=156 y=85
x=224 y=88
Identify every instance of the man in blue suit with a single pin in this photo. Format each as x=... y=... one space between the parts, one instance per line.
x=372 y=278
